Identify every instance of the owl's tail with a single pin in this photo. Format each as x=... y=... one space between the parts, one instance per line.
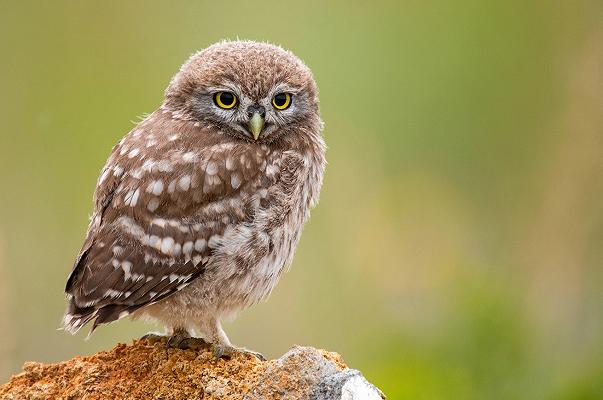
x=76 y=317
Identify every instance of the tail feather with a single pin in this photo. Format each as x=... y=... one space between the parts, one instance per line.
x=76 y=317
x=73 y=322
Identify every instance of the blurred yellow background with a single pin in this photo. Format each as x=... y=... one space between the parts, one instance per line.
x=457 y=252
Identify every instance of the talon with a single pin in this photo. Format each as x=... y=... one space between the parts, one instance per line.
x=228 y=352
x=193 y=343
x=153 y=337
x=177 y=338
x=258 y=355
x=220 y=352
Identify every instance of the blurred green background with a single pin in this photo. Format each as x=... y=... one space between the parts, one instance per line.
x=457 y=252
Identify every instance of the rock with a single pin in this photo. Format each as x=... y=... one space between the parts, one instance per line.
x=145 y=370
x=348 y=384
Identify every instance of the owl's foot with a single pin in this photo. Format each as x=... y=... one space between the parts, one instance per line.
x=194 y=343
x=178 y=340
x=228 y=352
x=153 y=337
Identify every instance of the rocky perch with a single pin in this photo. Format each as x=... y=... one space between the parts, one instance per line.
x=144 y=370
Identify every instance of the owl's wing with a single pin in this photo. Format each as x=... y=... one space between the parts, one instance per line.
x=158 y=215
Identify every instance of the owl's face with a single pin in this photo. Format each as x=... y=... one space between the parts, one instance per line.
x=252 y=91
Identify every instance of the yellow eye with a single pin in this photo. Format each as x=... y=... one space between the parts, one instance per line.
x=225 y=100
x=281 y=101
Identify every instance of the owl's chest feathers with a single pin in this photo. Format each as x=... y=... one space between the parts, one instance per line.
x=253 y=254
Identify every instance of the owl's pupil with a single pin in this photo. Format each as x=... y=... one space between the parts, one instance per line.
x=227 y=98
x=280 y=99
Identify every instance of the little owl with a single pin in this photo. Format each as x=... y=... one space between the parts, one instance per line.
x=199 y=208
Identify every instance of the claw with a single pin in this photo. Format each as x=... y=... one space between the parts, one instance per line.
x=228 y=352
x=219 y=351
x=153 y=337
x=177 y=338
x=193 y=343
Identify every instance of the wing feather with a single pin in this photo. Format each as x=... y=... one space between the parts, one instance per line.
x=156 y=212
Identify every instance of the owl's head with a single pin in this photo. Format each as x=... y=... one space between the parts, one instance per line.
x=249 y=90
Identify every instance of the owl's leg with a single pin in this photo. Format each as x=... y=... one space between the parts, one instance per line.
x=221 y=346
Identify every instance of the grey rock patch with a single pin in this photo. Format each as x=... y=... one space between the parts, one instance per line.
x=348 y=384
x=293 y=374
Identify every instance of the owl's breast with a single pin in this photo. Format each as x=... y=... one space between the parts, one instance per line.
x=254 y=253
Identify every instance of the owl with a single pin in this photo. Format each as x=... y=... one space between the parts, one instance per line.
x=199 y=208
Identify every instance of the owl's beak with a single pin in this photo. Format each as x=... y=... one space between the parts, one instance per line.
x=256 y=124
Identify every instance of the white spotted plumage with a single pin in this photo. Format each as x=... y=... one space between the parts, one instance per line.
x=195 y=218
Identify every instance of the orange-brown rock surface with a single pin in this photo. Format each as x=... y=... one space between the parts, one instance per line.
x=145 y=370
